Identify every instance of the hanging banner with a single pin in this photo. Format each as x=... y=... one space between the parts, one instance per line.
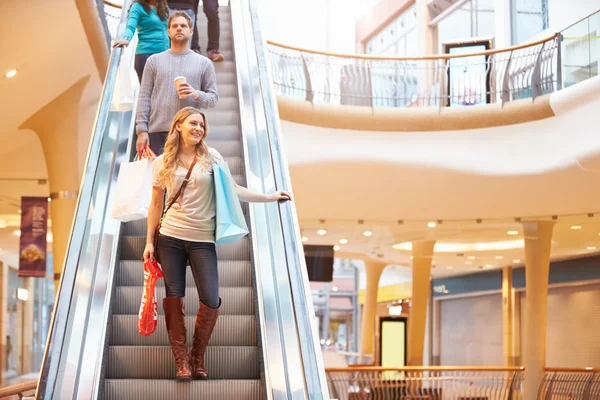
x=34 y=227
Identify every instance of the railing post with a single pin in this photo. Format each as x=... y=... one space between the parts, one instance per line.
x=559 y=82
x=588 y=386
x=548 y=394
x=310 y=95
x=512 y=385
x=505 y=83
x=536 y=78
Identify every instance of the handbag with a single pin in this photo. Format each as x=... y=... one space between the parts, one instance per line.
x=179 y=192
x=148 y=314
x=230 y=224
x=134 y=188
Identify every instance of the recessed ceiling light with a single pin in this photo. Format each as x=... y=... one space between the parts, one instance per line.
x=304 y=239
x=431 y=224
x=512 y=233
x=576 y=227
x=451 y=247
x=343 y=241
x=591 y=248
x=499 y=257
x=367 y=233
x=471 y=257
x=516 y=261
x=11 y=73
x=336 y=247
x=17 y=233
x=321 y=232
x=488 y=266
x=468 y=263
x=334 y=288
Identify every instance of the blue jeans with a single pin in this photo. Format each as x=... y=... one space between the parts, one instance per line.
x=174 y=254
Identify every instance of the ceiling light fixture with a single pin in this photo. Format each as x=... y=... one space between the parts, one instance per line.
x=471 y=257
x=488 y=266
x=432 y=224
x=367 y=233
x=591 y=247
x=468 y=263
x=576 y=227
x=336 y=247
x=457 y=247
x=17 y=232
x=304 y=239
x=516 y=261
x=499 y=257
x=321 y=232
x=11 y=73
x=343 y=241
x=512 y=233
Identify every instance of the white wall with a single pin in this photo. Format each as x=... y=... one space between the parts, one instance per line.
x=327 y=25
x=563 y=13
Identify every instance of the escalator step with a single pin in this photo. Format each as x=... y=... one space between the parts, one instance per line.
x=231 y=273
x=132 y=248
x=226 y=77
x=221 y=67
x=231 y=150
x=227 y=90
x=231 y=330
x=145 y=389
x=221 y=115
x=235 y=301
x=149 y=362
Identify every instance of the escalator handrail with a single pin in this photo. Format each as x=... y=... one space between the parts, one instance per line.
x=314 y=372
x=62 y=307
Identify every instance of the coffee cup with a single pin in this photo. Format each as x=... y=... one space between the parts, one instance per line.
x=178 y=81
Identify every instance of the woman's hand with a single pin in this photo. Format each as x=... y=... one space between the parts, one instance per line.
x=280 y=195
x=121 y=43
x=149 y=252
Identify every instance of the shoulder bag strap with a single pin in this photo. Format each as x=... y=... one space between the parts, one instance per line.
x=183 y=185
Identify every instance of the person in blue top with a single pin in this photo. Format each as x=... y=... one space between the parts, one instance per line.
x=149 y=17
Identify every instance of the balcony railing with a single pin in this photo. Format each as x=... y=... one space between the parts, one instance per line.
x=493 y=76
x=431 y=383
x=570 y=384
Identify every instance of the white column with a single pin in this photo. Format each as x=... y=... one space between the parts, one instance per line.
x=538 y=241
x=373 y=270
x=422 y=252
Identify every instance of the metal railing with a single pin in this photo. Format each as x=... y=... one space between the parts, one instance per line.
x=426 y=383
x=18 y=391
x=570 y=384
x=493 y=76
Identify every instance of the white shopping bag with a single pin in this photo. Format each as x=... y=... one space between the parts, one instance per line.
x=134 y=191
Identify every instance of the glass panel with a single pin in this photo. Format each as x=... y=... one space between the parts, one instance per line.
x=455 y=26
x=530 y=18
x=580 y=50
x=483 y=13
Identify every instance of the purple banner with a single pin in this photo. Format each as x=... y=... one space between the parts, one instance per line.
x=34 y=226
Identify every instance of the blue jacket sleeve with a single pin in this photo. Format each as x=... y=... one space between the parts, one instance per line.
x=132 y=21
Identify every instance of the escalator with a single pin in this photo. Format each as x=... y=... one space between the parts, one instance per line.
x=143 y=367
x=264 y=345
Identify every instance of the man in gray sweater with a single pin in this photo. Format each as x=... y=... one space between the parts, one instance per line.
x=159 y=99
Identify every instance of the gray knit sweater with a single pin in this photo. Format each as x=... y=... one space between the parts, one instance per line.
x=159 y=102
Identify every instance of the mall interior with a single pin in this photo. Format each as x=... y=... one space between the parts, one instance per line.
x=443 y=241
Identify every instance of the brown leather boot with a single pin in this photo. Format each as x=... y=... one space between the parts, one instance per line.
x=205 y=323
x=175 y=319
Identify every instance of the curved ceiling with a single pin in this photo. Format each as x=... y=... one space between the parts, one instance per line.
x=47 y=45
x=537 y=169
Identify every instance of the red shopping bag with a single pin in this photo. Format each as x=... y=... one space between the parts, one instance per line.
x=148 y=308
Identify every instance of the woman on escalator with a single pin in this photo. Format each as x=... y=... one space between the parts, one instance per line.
x=149 y=17
x=187 y=232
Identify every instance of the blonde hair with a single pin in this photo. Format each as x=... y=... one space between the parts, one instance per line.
x=166 y=176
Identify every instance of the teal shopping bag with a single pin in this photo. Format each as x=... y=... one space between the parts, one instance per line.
x=230 y=224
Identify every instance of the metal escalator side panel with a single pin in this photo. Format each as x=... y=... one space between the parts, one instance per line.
x=72 y=358
x=293 y=360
